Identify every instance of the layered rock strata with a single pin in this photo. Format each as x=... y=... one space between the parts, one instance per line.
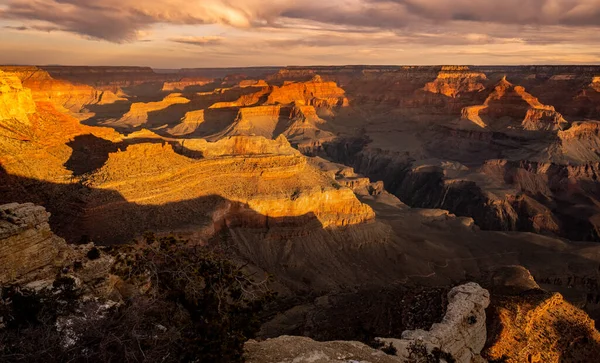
x=27 y=243
x=184 y=83
x=72 y=96
x=141 y=112
x=509 y=106
x=253 y=182
x=452 y=81
x=527 y=324
x=315 y=92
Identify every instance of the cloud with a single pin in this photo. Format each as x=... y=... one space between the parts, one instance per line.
x=334 y=31
x=122 y=20
x=48 y=28
x=524 y=12
x=200 y=41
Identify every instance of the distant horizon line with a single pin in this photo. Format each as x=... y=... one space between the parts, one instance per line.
x=310 y=66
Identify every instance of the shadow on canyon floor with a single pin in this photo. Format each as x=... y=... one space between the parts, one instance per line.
x=105 y=112
x=91 y=152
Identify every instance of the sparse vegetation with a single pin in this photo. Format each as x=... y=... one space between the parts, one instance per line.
x=186 y=304
x=389 y=349
x=418 y=353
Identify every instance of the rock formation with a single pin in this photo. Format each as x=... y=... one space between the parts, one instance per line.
x=182 y=84
x=305 y=350
x=140 y=113
x=26 y=242
x=222 y=165
x=62 y=93
x=258 y=182
x=113 y=79
x=462 y=334
x=16 y=101
x=579 y=144
x=16 y=104
x=189 y=123
x=246 y=100
x=527 y=324
x=509 y=106
x=452 y=81
x=314 y=93
x=259 y=120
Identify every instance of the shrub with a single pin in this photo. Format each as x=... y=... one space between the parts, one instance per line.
x=418 y=353
x=193 y=305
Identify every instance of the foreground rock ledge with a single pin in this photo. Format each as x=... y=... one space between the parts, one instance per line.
x=26 y=241
x=462 y=334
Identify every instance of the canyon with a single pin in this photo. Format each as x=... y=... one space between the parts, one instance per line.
x=333 y=180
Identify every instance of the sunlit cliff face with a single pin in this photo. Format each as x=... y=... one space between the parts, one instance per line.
x=178 y=33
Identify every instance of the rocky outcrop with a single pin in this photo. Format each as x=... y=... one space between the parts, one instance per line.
x=253 y=83
x=16 y=105
x=303 y=128
x=72 y=96
x=579 y=144
x=501 y=195
x=15 y=100
x=527 y=324
x=140 y=113
x=305 y=350
x=509 y=106
x=314 y=92
x=112 y=79
x=184 y=83
x=253 y=182
x=572 y=186
x=541 y=119
x=237 y=145
x=188 y=124
x=245 y=100
x=26 y=242
x=461 y=334
x=452 y=81
x=258 y=120
x=595 y=85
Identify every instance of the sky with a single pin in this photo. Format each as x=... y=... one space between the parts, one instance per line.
x=232 y=33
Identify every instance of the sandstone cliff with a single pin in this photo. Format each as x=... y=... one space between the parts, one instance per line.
x=452 y=81
x=245 y=100
x=184 y=83
x=71 y=96
x=304 y=127
x=259 y=121
x=314 y=92
x=26 y=242
x=151 y=113
x=188 y=124
x=113 y=79
x=253 y=182
x=509 y=106
x=16 y=105
x=527 y=324
x=579 y=144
